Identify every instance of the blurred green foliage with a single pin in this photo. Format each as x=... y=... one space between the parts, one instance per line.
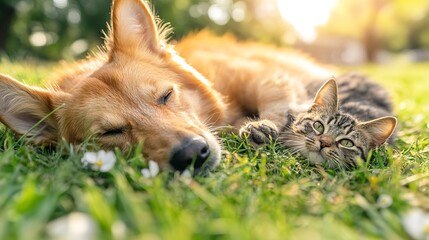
x=47 y=29
x=68 y=29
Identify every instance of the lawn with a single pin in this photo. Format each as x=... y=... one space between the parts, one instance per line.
x=252 y=194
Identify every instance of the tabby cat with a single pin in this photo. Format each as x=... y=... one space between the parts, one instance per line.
x=337 y=129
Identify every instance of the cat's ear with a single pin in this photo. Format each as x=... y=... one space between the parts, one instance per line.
x=327 y=96
x=379 y=129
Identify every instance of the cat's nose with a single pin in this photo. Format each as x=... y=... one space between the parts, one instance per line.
x=326 y=141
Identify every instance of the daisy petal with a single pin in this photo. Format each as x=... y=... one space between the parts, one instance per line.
x=101 y=154
x=186 y=174
x=415 y=223
x=107 y=166
x=89 y=157
x=111 y=156
x=186 y=177
x=76 y=225
x=153 y=168
x=145 y=172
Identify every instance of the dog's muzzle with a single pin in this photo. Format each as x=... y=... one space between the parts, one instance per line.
x=191 y=152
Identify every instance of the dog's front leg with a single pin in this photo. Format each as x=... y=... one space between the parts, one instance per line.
x=275 y=97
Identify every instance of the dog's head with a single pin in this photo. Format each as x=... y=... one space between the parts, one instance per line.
x=142 y=92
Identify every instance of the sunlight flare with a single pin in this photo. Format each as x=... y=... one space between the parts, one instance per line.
x=306 y=15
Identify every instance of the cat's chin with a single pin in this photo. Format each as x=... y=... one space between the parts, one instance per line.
x=319 y=158
x=315 y=158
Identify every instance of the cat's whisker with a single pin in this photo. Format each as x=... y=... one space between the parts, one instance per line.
x=296 y=151
x=336 y=161
x=296 y=148
x=349 y=162
x=286 y=138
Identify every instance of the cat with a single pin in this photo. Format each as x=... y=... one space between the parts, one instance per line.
x=342 y=124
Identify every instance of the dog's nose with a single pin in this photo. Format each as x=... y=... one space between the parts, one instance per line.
x=192 y=151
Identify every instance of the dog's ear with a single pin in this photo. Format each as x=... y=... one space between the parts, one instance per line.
x=134 y=27
x=22 y=109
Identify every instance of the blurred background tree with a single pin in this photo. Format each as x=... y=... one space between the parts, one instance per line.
x=346 y=31
x=390 y=25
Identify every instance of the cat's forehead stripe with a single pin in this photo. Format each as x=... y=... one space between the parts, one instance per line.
x=350 y=129
x=355 y=135
x=342 y=121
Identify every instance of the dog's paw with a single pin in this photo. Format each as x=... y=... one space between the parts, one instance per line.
x=259 y=132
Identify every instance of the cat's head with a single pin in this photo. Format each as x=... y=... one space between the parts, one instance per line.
x=329 y=137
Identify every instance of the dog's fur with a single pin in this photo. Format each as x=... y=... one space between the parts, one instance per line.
x=141 y=89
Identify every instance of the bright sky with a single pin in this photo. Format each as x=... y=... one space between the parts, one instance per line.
x=306 y=15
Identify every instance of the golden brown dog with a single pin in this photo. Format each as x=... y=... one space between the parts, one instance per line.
x=141 y=89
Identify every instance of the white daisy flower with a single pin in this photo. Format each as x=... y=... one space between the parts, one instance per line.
x=76 y=225
x=152 y=171
x=416 y=223
x=384 y=201
x=101 y=161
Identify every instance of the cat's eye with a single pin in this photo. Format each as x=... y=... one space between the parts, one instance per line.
x=165 y=97
x=318 y=126
x=346 y=143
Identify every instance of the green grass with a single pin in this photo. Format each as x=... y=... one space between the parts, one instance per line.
x=251 y=195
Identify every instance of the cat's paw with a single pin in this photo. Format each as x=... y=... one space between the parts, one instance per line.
x=259 y=132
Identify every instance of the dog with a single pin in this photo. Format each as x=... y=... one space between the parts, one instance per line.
x=170 y=98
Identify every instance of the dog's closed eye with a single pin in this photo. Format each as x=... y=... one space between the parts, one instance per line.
x=165 y=97
x=113 y=132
